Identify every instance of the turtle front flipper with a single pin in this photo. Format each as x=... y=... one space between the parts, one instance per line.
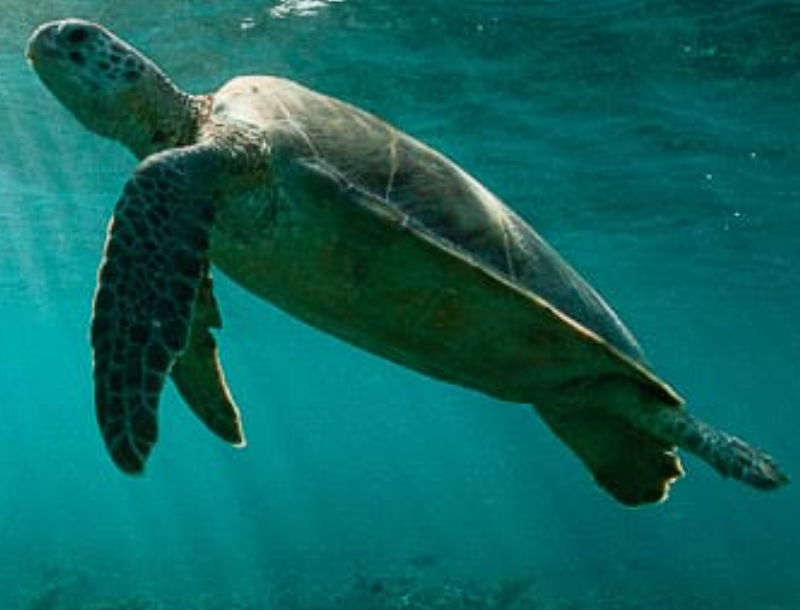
x=198 y=375
x=155 y=260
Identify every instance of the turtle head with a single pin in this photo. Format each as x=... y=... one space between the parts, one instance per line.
x=111 y=87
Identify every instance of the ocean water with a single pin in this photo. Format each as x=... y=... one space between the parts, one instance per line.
x=655 y=144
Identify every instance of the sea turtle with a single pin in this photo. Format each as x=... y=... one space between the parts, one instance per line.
x=357 y=229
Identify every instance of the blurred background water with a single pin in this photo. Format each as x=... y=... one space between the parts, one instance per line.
x=654 y=143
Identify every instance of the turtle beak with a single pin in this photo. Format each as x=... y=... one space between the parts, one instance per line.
x=51 y=39
x=41 y=41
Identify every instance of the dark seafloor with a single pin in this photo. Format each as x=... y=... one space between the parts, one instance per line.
x=656 y=144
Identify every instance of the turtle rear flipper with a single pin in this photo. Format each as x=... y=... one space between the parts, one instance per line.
x=728 y=455
x=626 y=434
x=633 y=467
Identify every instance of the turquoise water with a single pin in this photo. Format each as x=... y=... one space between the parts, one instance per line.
x=654 y=143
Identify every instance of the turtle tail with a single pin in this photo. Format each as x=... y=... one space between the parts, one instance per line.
x=728 y=455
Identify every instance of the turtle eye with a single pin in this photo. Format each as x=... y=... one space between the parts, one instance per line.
x=77 y=35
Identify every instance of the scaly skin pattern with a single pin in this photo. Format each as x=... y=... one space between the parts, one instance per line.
x=149 y=280
x=361 y=231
